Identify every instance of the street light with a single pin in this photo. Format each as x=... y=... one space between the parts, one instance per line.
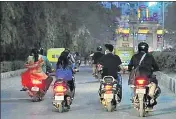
x=163 y=15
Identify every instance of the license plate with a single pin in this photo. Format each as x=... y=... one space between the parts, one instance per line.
x=141 y=91
x=107 y=96
x=59 y=97
x=35 y=89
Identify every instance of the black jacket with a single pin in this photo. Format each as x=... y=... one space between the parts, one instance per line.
x=110 y=64
x=96 y=57
x=148 y=65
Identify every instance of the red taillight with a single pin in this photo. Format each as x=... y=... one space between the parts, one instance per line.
x=141 y=81
x=60 y=88
x=108 y=92
x=36 y=82
x=108 y=87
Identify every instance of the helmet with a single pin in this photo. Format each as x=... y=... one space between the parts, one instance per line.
x=99 y=48
x=143 y=47
x=41 y=51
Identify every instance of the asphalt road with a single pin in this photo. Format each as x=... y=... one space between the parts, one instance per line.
x=86 y=105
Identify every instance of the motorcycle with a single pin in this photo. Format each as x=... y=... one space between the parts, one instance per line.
x=62 y=99
x=98 y=72
x=63 y=96
x=109 y=94
x=141 y=89
x=36 y=90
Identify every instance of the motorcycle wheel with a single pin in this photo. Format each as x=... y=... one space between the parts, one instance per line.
x=60 y=108
x=141 y=108
x=109 y=107
x=73 y=93
x=35 y=99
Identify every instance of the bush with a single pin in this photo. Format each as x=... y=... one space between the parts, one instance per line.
x=166 y=60
x=11 y=66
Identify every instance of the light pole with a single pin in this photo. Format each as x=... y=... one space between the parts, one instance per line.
x=163 y=21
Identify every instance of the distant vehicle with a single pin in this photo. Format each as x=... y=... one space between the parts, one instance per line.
x=125 y=54
x=53 y=55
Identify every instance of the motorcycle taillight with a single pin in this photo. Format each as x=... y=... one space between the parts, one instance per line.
x=60 y=89
x=108 y=87
x=34 y=81
x=141 y=81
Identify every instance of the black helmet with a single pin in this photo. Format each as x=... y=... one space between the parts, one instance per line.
x=41 y=51
x=99 y=48
x=143 y=47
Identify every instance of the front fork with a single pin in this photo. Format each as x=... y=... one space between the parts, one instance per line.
x=140 y=97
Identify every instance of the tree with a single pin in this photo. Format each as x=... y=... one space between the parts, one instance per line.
x=54 y=24
x=170 y=18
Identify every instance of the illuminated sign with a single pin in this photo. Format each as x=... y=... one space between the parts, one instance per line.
x=119 y=30
x=126 y=31
x=125 y=44
x=159 y=32
x=143 y=31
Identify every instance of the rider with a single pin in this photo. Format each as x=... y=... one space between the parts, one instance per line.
x=111 y=64
x=47 y=65
x=68 y=61
x=67 y=53
x=78 y=59
x=34 y=65
x=147 y=67
x=96 y=56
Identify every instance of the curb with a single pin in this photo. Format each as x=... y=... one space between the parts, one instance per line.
x=18 y=72
x=11 y=73
x=167 y=81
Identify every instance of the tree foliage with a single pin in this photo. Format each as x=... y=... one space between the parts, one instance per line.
x=80 y=25
x=170 y=17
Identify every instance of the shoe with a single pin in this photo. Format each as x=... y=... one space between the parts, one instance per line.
x=132 y=99
x=149 y=109
x=23 y=89
x=68 y=107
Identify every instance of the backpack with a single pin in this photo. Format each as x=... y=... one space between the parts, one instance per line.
x=135 y=72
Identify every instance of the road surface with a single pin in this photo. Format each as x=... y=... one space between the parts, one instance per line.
x=86 y=105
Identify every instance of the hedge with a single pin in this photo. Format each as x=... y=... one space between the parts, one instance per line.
x=166 y=60
x=11 y=65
